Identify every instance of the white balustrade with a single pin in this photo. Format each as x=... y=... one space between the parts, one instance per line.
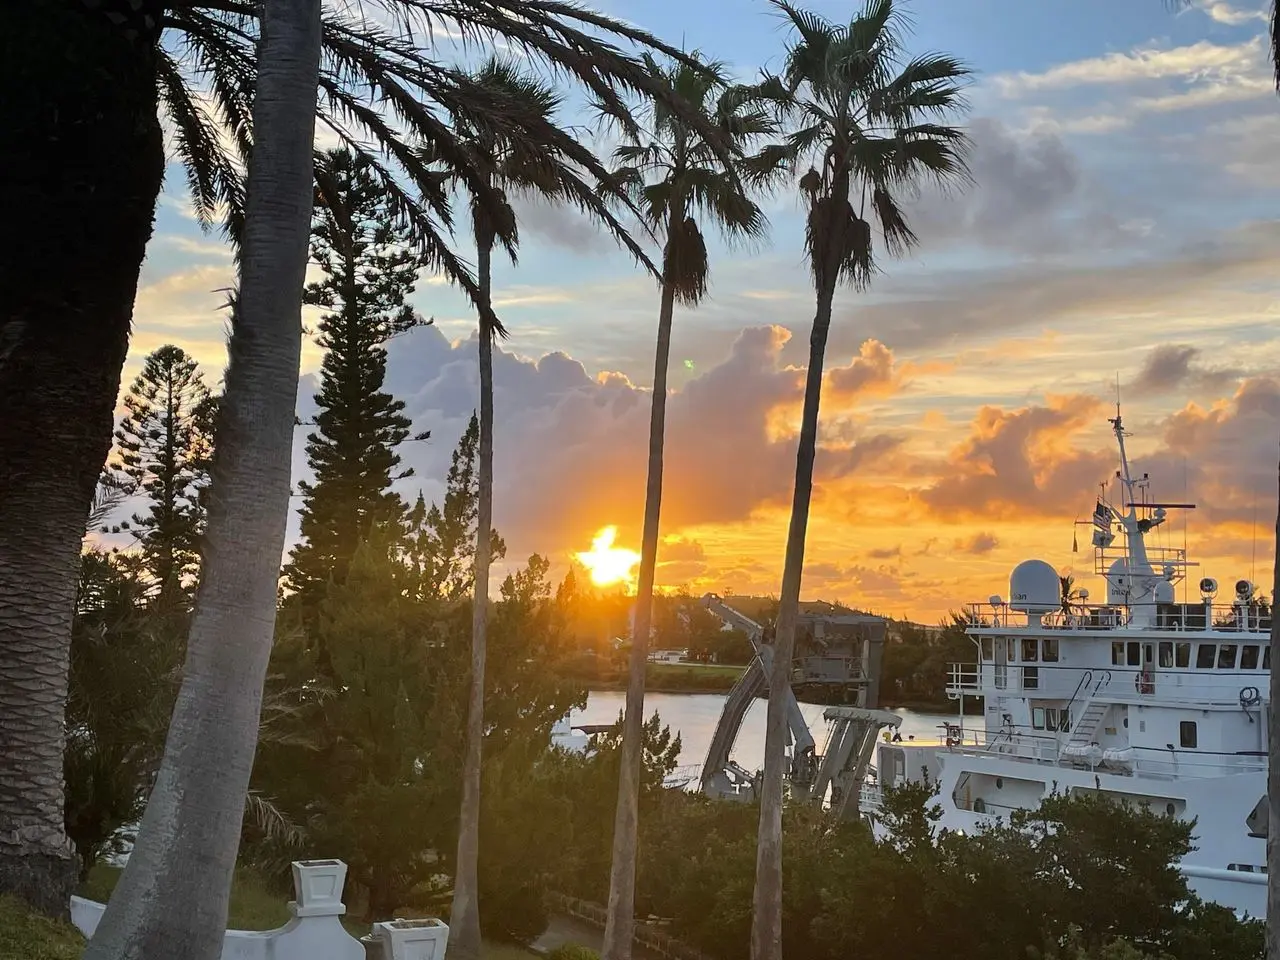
x=314 y=931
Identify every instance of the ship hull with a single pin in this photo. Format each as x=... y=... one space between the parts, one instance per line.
x=1228 y=864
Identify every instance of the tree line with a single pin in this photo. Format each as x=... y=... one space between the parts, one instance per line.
x=852 y=122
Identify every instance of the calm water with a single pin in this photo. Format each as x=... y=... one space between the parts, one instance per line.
x=694 y=716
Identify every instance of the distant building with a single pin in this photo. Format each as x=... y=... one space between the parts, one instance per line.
x=669 y=656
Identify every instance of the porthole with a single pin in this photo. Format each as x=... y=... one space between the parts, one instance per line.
x=999 y=783
x=1169 y=809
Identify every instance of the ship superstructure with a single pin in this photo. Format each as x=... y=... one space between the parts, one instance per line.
x=1149 y=697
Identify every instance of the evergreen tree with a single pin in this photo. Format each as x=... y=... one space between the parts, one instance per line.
x=369 y=270
x=164 y=446
x=444 y=536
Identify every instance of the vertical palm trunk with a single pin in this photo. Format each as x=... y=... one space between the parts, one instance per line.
x=620 y=924
x=464 y=916
x=766 y=918
x=1273 y=765
x=172 y=900
x=82 y=167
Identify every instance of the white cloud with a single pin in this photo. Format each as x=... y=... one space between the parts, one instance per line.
x=1200 y=61
x=1230 y=15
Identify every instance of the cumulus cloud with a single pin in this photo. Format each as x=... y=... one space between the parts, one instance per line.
x=570 y=448
x=1173 y=366
x=1028 y=193
x=979 y=543
x=1020 y=463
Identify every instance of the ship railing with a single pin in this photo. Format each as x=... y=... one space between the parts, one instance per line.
x=963 y=678
x=1193 y=617
x=1163 y=764
x=1190 y=686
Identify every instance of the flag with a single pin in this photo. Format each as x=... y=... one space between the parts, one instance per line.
x=1102 y=516
x=1075 y=545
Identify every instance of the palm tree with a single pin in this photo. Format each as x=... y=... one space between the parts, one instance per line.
x=162 y=906
x=549 y=163
x=84 y=161
x=676 y=177
x=869 y=121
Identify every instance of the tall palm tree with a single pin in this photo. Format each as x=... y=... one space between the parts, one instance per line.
x=84 y=160
x=548 y=162
x=869 y=121
x=172 y=900
x=677 y=178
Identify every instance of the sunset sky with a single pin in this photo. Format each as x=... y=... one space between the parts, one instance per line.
x=1122 y=224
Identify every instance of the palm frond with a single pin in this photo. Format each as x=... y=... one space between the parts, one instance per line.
x=271 y=822
x=868 y=124
x=384 y=96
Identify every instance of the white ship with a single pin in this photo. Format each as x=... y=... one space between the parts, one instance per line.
x=1154 y=697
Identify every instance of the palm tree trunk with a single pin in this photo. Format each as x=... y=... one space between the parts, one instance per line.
x=464 y=915
x=620 y=924
x=1273 y=765
x=766 y=918
x=172 y=900
x=83 y=164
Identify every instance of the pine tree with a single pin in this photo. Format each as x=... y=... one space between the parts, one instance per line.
x=164 y=446
x=444 y=536
x=369 y=272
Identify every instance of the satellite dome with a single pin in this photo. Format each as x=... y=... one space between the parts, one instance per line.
x=1164 y=592
x=1118 y=583
x=1034 y=587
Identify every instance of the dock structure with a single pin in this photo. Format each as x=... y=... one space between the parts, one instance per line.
x=837 y=658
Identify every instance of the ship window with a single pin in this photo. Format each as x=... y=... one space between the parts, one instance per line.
x=1013 y=650
x=1166 y=654
x=986 y=649
x=1117 y=654
x=1051 y=718
x=1182 y=654
x=1249 y=657
x=1135 y=653
x=1187 y=734
x=1266 y=658
x=1205 y=655
x=1029 y=654
x=1050 y=651
x=1227 y=656
x=1030 y=678
x=1064 y=720
x=1037 y=717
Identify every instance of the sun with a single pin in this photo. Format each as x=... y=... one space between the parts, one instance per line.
x=606 y=563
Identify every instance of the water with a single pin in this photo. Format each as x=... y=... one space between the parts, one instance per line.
x=694 y=717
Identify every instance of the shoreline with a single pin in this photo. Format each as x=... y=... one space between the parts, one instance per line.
x=948 y=707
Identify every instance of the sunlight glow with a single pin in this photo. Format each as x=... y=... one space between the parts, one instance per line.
x=606 y=563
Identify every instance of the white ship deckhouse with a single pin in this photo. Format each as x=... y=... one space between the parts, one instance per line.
x=1158 y=695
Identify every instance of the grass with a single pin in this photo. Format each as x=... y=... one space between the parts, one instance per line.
x=254 y=906
x=26 y=936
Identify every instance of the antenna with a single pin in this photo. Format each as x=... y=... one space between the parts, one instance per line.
x=1186 y=495
x=1253 y=560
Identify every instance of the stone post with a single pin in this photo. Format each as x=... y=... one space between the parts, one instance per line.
x=412 y=939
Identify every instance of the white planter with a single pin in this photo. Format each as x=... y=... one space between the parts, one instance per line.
x=412 y=939
x=317 y=884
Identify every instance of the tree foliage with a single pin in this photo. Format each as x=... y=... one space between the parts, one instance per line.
x=124 y=663
x=163 y=450
x=368 y=272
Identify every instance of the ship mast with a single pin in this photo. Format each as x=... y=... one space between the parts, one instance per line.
x=1135 y=569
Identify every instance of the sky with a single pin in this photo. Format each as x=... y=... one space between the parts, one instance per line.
x=1121 y=229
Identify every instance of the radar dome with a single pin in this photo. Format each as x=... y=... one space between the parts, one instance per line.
x=1118 y=583
x=1164 y=592
x=1034 y=587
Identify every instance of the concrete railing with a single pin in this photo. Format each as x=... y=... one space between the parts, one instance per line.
x=314 y=931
